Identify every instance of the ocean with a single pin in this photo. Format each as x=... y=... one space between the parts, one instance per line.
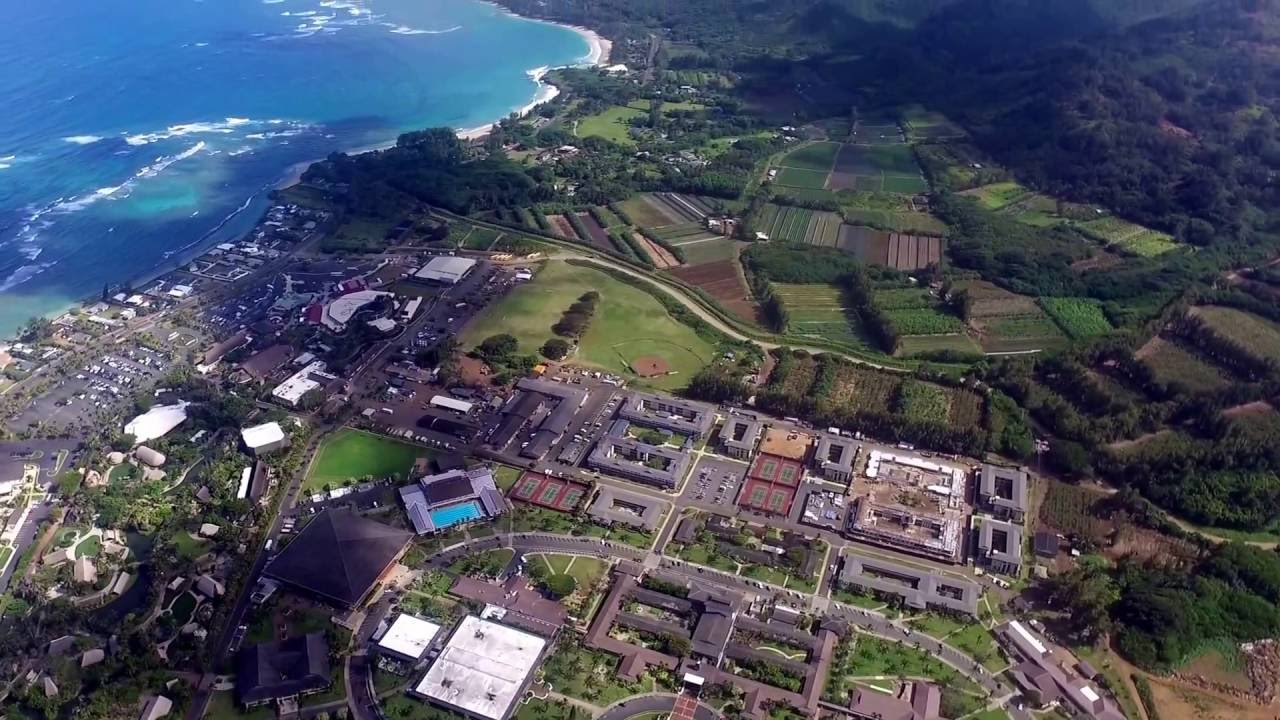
x=137 y=131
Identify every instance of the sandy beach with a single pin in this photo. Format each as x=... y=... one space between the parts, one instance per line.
x=598 y=52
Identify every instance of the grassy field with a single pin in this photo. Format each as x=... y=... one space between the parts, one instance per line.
x=629 y=323
x=802 y=178
x=911 y=344
x=614 y=122
x=1259 y=336
x=354 y=455
x=819 y=311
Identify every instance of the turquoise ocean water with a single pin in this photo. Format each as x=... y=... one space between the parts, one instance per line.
x=137 y=130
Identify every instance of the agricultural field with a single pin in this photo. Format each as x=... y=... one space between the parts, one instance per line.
x=704 y=250
x=888 y=168
x=1258 y=335
x=921 y=124
x=355 y=455
x=1006 y=322
x=1171 y=363
x=858 y=386
x=612 y=340
x=889 y=211
x=791 y=224
x=909 y=345
x=921 y=401
x=818 y=311
x=896 y=250
x=596 y=234
x=801 y=178
x=1079 y=318
x=722 y=280
x=817 y=157
x=560 y=226
x=998 y=195
x=1129 y=238
x=877 y=132
x=1069 y=509
x=924 y=321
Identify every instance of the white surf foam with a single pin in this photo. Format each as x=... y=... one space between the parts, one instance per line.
x=82 y=139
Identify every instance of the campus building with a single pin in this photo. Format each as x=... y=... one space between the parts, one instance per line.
x=445 y=270
x=738 y=436
x=282 y=670
x=338 y=557
x=675 y=415
x=917 y=588
x=312 y=377
x=264 y=439
x=408 y=638
x=1002 y=491
x=619 y=506
x=835 y=457
x=543 y=407
x=1045 y=681
x=1000 y=546
x=621 y=456
x=483 y=669
x=456 y=497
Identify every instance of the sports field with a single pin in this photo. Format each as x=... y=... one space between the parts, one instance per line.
x=629 y=323
x=355 y=455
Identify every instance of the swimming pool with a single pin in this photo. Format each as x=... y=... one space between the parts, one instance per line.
x=454 y=514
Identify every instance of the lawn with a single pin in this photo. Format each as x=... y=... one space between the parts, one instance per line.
x=998 y=195
x=536 y=709
x=629 y=323
x=355 y=455
x=586 y=570
x=506 y=476
x=612 y=124
x=188 y=546
x=222 y=706
x=89 y=547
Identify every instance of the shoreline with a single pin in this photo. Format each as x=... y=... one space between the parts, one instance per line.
x=599 y=50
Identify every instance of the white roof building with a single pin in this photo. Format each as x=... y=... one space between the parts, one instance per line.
x=448 y=403
x=383 y=324
x=262 y=435
x=483 y=669
x=339 y=312
x=156 y=422
x=444 y=269
x=302 y=382
x=409 y=637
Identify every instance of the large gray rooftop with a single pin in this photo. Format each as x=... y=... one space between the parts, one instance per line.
x=673 y=414
x=919 y=588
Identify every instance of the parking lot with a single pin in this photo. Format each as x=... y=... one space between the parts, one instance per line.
x=714 y=485
x=104 y=384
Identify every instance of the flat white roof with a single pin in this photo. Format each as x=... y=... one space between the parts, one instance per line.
x=446 y=269
x=262 y=435
x=1029 y=637
x=409 y=636
x=339 y=312
x=300 y=383
x=156 y=422
x=483 y=668
x=449 y=403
